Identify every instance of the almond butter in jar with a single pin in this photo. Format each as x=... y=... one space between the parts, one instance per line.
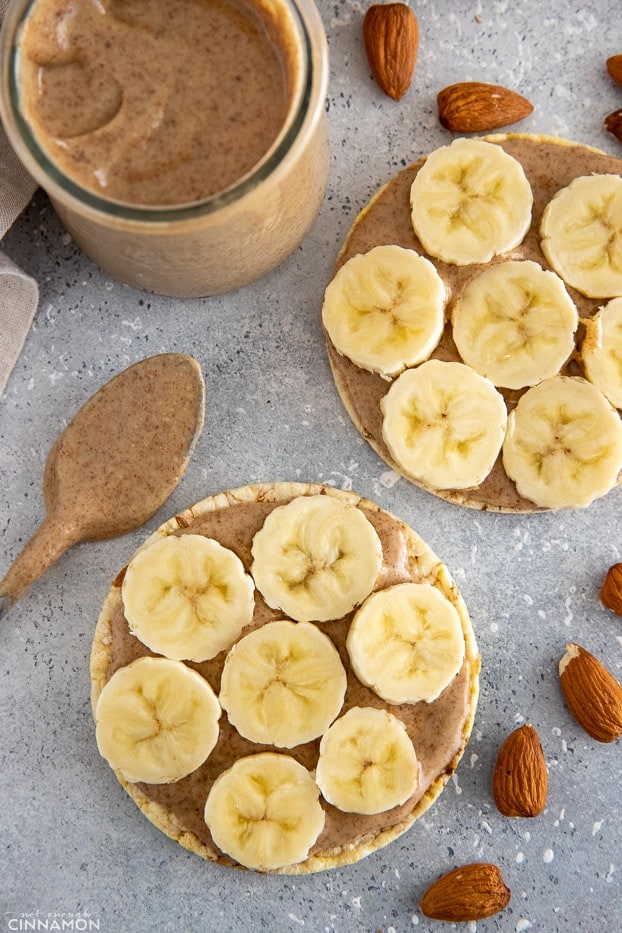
x=183 y=143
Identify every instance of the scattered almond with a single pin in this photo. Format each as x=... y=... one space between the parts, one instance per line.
x=593 y=695
x=611 y=590
x=473 y=107
x=613 y=124
x=391 y=38
x=520 y=778
x=614 y=67
x=471 y=892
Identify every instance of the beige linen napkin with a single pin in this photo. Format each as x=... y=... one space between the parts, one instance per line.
x=19 y=293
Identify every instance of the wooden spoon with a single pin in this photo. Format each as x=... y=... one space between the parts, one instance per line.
x=116 y=462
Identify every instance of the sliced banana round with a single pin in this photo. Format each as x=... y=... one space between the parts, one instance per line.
x=283 y=684
x=316 y=558
x=156 y=720
x=515 y=324
x=601 y=351
x=581 y=231
x=187 y=597
x=264 y=811
x=367 y=762
x=406 y=643
x=444 y=424
x=563 y=447
x=470 y=201
x=384 y=309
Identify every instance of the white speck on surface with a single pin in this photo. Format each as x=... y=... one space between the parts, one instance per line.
x=457 y=787
x=520 y=858
x=596 y=826
x=527 y=836
x=356 y=902
x=136 y=324
x=473 y=759
x=559 y=819
x=541 y=614
x=567 y=602
x=414 y=920
x=608 y=876
x=548 y=855
x=389 y=478
x=494 y=627
x=522 y=925
x=527 y=599
x=296 y=919
x=518 y=717
x=486 y=826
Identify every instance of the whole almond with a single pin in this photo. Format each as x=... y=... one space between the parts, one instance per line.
x=471 y=892
x=520 y=778
x=613 y=124
x=473 y=107
x=391 y=38
x=614 y=67
x=593 y=695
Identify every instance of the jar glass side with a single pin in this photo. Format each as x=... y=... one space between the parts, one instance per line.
x=188 y=250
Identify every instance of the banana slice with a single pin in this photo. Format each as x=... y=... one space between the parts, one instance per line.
x=187 y=597
x=283 y=684
x=406 y=643
x=264 y=811
x=470 y=201
x=384 y=309
x=316 y=558
x=367 y=762
x=601 y=351
x=563 y=447
x=156 y=720
x=581 y=233
x=515 y=324
x=444 y=424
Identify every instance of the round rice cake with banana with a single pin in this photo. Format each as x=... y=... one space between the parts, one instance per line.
x=284 y=677
x=474 y=323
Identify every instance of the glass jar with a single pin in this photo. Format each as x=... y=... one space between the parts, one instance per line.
x=222 y=242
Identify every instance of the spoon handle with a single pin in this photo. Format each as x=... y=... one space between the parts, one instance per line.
x=50 y=540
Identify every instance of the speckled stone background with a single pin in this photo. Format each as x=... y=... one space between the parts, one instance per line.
x=74 y=849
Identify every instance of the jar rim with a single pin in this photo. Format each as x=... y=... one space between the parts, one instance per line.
x=310 y=91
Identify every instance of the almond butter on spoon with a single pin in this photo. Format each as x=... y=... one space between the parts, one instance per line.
x=115 y=463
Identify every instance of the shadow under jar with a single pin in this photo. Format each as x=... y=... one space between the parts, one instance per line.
x=183 y=143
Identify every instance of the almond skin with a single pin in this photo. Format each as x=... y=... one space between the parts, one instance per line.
x=520 y=778
x=613 y=124
x=473 y=107
x=611 y=590
x=614 y=67
x=470 y=892
x=593 y=695
x=391 y=38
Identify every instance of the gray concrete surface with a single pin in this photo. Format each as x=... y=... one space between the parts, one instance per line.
x=74 y=849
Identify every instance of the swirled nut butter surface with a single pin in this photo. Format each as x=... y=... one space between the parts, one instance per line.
x=156 y=102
